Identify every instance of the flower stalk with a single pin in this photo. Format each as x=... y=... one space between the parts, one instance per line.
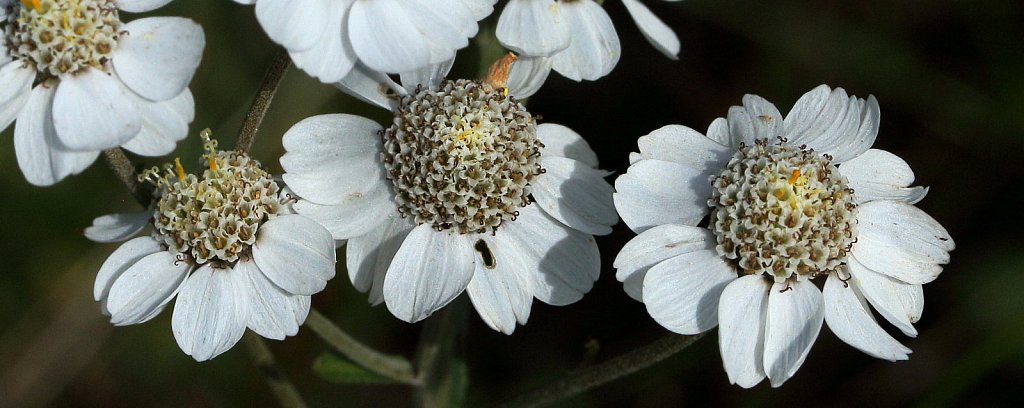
x=283 y=389
x=390 y=366
x=264 y=96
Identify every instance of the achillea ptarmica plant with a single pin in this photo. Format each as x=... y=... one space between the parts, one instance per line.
x=789 y=202
x=226 y=243
x=79 y=81
x=462 y=192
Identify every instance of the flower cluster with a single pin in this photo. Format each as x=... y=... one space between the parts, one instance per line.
x=765 y=226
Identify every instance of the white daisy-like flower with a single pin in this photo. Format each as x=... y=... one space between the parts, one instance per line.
x=577 y=35
x=789 y=200
x=327 y=38
x=79 y=81
x=462 y=192
x=226 y=244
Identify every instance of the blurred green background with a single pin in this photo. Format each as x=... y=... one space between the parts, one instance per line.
x=949 y=76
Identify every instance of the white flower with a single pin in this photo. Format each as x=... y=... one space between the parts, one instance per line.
x=790 y=200
x=463 y=192
x=78 y=81
x=577 y=35
x=226 y=244
x=327 y=38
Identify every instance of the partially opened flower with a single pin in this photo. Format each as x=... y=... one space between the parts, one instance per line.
x=226 y=244
x=462 y=192
x=792 y=201
x=576 y=35
x=327 y=38
x=79 y=81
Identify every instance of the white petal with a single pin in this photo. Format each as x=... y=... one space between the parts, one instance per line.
x=296 y=253
x=595 y=47
x=658 y=244
x=331 y=58
x=295 y=24
x=880 y=175
x=680 y=144
x=527 y=75
x=795 y=314
x=124 y=257
x=354 y=216
x=682 y=293
x=564 y=262
x=654 y=30
x=900 y=240
x=158 y=55
x=847 y=314
x=333 y=158
x=368 y=256
x=163 y=124
x=117 y=227
x=576 y=194
x=500 y=289
x=272 y=311
x=15 y=88
x=92 y=111
x=655 y=192
x=140 y=6
x=742 y=313
x=533 y=27
x=480 y=8
x=898 y=302
x=756 y=119
x=830 y=121
x=429 y=270
x=385 y=36
x=718 y=131
x=211 y=311
x=564 y=142
x=428 y=77
x=145 y=288
x=371 y=87
x=41 y=156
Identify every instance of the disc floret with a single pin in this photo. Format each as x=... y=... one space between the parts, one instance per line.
x=461 y=157
x=215 y=217
x=61 y=37
x=783 y=211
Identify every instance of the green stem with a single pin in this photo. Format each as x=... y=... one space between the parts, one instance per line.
x=440 y=381
x=124 y=169
x=263 y=359
x=264 y=96
x=390 y=366
x=600 y=374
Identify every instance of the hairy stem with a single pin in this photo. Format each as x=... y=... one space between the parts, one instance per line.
x=390 y=366
x=265 y=95
x=280 y=386
x=124 y=169
x=435 y=361
x=600 y=374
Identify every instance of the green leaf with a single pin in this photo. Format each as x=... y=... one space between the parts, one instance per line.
x=334 y=368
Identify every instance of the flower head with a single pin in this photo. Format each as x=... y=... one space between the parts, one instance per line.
x=79 y=81
x=226 y=244
x=789 y=202
x=463 y=192
x=576 y=38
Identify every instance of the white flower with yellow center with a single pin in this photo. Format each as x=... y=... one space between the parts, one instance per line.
x=790 y=202
x=79 y=81
x=327 y=38
x=226 y=244
x=462 y=192
x=576 y=37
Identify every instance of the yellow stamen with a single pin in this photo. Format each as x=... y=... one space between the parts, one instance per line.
x=212 y=162
x=794 y=177
x=179 y=169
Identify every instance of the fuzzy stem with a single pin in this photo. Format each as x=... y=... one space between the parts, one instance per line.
x=124 y=169
x=594 y=376
x=280 y=386
x=265 y=95
x=390 y=366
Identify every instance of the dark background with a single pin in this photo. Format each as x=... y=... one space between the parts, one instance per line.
x=948 y=77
